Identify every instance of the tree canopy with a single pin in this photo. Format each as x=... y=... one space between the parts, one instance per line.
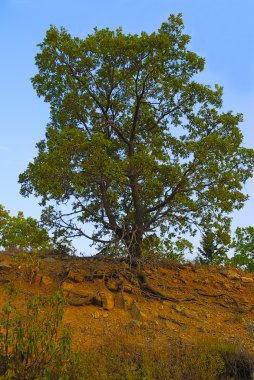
x=135 y=145
x=243 y=244
x=21 y=234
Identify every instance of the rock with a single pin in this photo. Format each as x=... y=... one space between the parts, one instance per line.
x=137 y=314
x=127 y=288
x=233 y=276
x=122 y=301
x=226 y=286
x=112 y=285
x=66 y=287
x=96 y=315
x=38 y=279
x=74 y=300
x=247 y=279
x=154 y=322
x=4 y=266
x=177 y=308
x=47 y=281
x=230 y=274
x=189 y=314
x=50 y=260
x=135 y=323
x=202 y=315
x=107 y=300
x=76 y=275
x=78 y=296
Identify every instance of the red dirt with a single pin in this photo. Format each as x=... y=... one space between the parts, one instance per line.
x=187 y=302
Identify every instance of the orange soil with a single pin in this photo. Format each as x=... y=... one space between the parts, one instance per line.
x=205 y=303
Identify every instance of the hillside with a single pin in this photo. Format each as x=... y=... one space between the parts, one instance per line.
x=151 y=307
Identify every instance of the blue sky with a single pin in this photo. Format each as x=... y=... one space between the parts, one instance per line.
x=222 y=31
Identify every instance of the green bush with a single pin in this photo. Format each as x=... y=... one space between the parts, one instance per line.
x=21 y=234
x=33 y=344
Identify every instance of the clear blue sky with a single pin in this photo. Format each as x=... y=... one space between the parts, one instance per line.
x=222 y=31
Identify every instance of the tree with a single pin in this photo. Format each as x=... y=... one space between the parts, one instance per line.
x=214 y=246
x=21 y=234
x=243 y=244
x=134 y=145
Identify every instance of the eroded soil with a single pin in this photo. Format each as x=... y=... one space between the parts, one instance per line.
x=152 y=306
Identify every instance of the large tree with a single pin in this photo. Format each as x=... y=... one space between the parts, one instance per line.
x=134 y=145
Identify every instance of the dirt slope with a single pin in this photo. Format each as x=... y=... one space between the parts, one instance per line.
x=151 y=306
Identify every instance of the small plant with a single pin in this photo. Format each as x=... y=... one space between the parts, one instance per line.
x=29 y=263
x=33 y=344
x=238 y=318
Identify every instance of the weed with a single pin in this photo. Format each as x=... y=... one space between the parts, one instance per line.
x=33 y=344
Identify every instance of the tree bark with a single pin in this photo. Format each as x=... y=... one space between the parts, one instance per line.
x=135 y=245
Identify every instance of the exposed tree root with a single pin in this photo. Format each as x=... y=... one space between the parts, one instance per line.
x=220 y=296
x=171 y=320
x=149 y=290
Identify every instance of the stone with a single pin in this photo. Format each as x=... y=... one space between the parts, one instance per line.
x=78 y=296
x=230 y=274
x=47 y=281
x=127 y=288
x=50 y=260
x=107 y=300
x=154 y=322
x=4 y=266
x=122 y=301
x=38 y=279
x=112 y=285
x=76 y=276
x=74 y=300
x=177 y=308
x=96 y=315
x=135 y=323
x=233 y=276
x=201 y=329
x=66 y=287
x=247 y=279
x=226 y=286
x=137 y=314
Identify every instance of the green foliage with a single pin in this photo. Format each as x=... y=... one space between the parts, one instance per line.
x=21 y=234
x=134 y=144
x=172 y=248
x=214 y=246
x=204 y=361
x=33 y=344
x=243 y=245
x=26 y=238
x=118 y=361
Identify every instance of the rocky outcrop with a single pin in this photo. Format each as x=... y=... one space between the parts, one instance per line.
x=137 y=314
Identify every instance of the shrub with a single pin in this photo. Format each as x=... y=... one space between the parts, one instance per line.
x=18 y=233
x=33 y=344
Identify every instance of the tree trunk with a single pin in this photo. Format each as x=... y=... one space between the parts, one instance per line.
x=135 y=245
